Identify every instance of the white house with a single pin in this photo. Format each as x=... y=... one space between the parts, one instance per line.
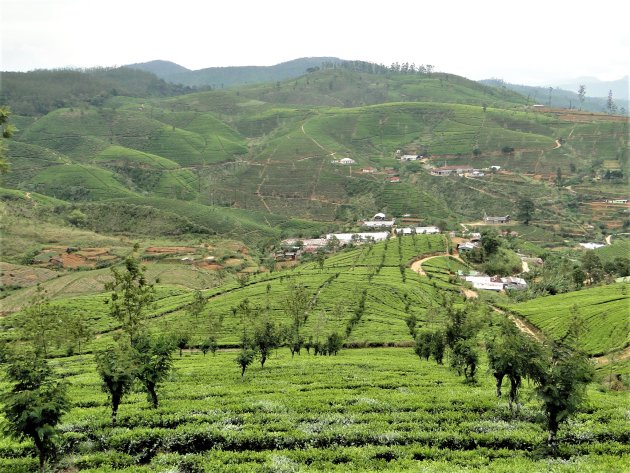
x=346 y=161
x=379 y=221
x=345 y=238
x=418 y=230
x=409 y=157
x=484 y=282
x=591 y=246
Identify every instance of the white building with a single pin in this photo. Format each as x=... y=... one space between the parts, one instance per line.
x=345 y=238
x=418 y=230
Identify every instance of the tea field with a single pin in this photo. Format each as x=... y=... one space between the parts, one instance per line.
x=379 y=409
x=604 y=312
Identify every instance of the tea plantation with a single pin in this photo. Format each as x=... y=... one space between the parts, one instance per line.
x=375 y=406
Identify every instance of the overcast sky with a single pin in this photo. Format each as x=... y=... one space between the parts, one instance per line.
x=531 y=42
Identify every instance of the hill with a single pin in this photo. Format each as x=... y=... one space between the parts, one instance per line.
x=603 y=311
x=39 y=92
x=566 y=96
x=220 y=77
x=600 y=88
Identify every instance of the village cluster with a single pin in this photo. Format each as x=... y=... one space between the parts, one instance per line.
x=293 y=249
x=392 y=175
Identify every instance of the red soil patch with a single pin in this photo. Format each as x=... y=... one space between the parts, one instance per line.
x=210 y=266
x=73 y=261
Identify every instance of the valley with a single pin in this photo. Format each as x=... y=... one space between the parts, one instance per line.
x=216 y=196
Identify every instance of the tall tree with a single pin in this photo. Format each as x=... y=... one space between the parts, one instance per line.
x=7 y=132
x=526 y=210
x=34 y=403
x=153 y=358
x=116 y=369
x=581 y=94
x=561 y=380
x=40 y=323
x=266 y=338
x=297 y=304
x=513 y=355
x=610 y=105
x=131 y=297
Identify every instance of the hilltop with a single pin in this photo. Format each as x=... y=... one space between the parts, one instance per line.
x=229 y=76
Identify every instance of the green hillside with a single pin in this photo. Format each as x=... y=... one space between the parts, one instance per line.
x=268 y=152
x=603 y=311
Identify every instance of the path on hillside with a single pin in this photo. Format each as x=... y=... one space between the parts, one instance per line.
x=416 y=266
x=523 y=325
x=613 y=357
x=331 y=153
x=260 y=184
x=321 y=167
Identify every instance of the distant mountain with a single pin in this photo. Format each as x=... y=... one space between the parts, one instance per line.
x=160 y=68
x=561 y=98
x=599 y=88
x=40 y=92
x=220 y=77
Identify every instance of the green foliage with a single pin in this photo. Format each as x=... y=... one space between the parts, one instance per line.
x=153 y=358
x=116 y=370
x=603 y=311
x=7 y=131
x=34 y=404
x=513 y=355
x=561 y=381
x=131 y=297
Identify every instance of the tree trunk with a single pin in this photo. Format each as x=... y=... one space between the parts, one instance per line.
x=153 y=394
x=515 y=384
x=41 y=450
x=552 y=426
x=115 y=403
x=499 y=378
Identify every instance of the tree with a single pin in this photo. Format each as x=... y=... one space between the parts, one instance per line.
x=297 y=304
x=247 y=354
x=423 y=344
x=245 y=358
x=559 y=177
x=489 y=242
x=512 y=355
x=182 y=340
x=34 y=403
x=561 y=379
x=198 y=305
x=153 y=358
x=209 y=344
x=334 y=342
x=526 y=210
x=610 y=105
x=78 y=329
x=581 y=94
x=464 y=358
x=7 y=132
x=592 y=266
x=266 y=338
x=40 y=322
x=438 y=346
x=115 y=367
x=131 y=296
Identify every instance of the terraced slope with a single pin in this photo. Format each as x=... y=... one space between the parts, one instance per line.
x=603 y=312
